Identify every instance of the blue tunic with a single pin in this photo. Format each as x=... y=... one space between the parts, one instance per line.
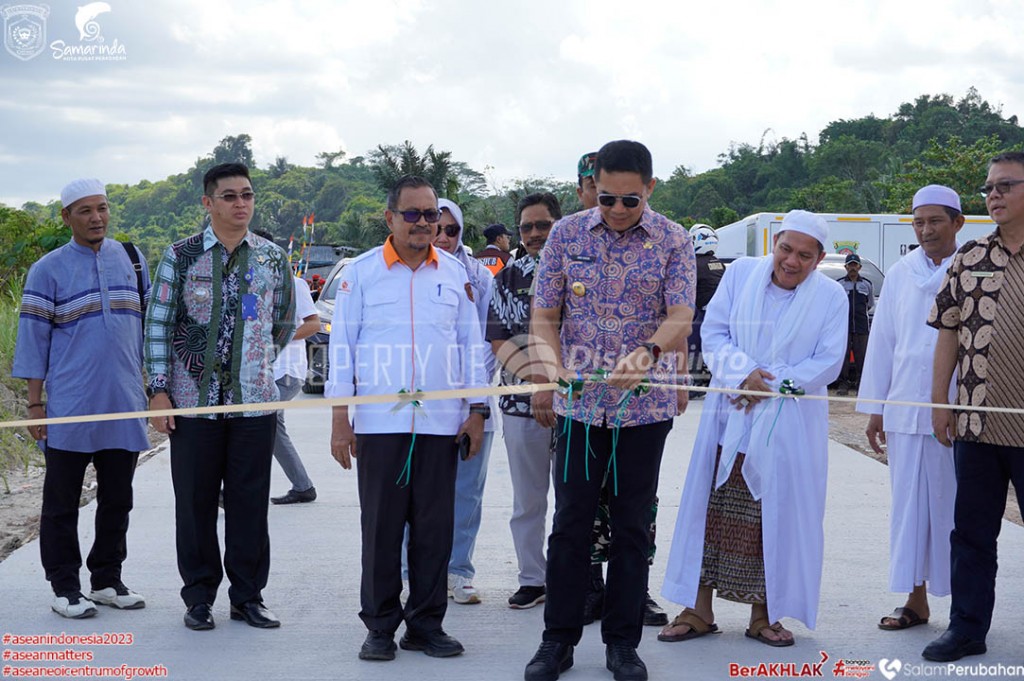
x=80 y=329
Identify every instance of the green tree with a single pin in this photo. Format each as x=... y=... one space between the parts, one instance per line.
x=959 y=166
x=390 y=162
x=23 y=240
x=279 y=167
x=723 y=215
x=830 y=195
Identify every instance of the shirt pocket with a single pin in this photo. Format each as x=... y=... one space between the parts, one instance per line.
x=198 y=298
x=382 y=310
x=582 y=283
x=643 y=297
x=443 y=310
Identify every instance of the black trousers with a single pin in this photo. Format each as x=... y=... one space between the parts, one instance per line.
x=983 y=473
x=857 y=347
x=206 y=454
x=58 y=522
x=427 y=504
x=638 y=457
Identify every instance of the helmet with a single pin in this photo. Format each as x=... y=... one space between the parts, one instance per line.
x=704 y=239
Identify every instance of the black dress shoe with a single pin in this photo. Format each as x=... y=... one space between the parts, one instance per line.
x=952 y=646
x=623 y=662
x=255 y=615
x=434 y=643
x=550 y=660
x=199 y=618
x=654 y=616
x=293 y=497
x=379 y=645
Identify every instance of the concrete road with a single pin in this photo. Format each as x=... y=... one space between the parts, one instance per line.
x=314 y=589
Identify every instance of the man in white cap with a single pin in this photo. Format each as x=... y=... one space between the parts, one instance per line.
x=750 y=518
x=80 y=333
x=898 y=367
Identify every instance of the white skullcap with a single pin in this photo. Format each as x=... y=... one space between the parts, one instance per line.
x=806 y=223
x=936 y=195
x=453 y=208
x=79 y=189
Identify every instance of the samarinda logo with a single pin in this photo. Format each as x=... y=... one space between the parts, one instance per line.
x=92 y=45
x=25 y=30
x=85 y=19
x=25 y=34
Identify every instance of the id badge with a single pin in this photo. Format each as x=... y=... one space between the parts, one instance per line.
x=249 y=306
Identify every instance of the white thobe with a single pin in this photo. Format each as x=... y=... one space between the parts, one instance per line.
x=785 y=441
x=898 y=366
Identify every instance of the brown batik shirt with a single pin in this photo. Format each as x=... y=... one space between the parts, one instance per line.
x=982 y=299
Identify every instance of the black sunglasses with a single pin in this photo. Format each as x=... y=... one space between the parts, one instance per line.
x=413 y=216
x=451 y=231
x=628 y=200
x=538 y=226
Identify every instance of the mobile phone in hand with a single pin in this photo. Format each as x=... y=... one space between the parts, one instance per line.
x=464 y=446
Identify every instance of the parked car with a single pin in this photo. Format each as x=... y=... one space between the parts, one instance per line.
x=316 y=345
x=834 y=267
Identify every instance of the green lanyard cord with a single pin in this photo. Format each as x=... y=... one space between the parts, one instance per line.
x=407 y=468
x=403 y=400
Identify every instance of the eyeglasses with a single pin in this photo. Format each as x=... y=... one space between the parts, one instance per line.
x=451 y=231
x=538 y=226
x=1003 y=187
x=413 y=216
x=231 y=197
x=628 y=200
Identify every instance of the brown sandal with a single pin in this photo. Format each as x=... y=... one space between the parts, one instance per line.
x=754 y=632
x=905 y=618
x=698 y=627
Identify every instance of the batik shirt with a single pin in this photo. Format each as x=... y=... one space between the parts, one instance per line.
x=218 y=320
x=982 y=299
x=614 y=290
x=80 y=330
x=509 y=320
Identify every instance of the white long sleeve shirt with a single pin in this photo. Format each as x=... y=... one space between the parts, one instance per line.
x=898 y=362
x=396 y=329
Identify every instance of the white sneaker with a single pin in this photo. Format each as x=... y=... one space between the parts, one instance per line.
x=73 y=606
x=118 y=596
x=461 y=590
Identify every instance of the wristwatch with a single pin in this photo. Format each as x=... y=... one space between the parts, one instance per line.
x=653 y=348
x=481 y=408
x=153 y=392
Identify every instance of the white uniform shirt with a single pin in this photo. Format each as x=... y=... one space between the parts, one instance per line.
x=398 y=329
x=293 y=360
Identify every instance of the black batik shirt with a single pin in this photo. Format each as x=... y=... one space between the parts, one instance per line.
x=508 y=319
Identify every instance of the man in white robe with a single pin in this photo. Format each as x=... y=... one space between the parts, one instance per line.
x=773 y=320
x=899 y=367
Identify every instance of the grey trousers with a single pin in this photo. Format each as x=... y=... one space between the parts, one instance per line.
x=530 y=464
x=284 y=450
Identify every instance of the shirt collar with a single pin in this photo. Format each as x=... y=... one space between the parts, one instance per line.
x=646 y=223
x=997 y=237
x=85 y=249
x=210 y=237
x=391 y=255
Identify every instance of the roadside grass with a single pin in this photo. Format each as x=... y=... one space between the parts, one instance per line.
x=16 y=449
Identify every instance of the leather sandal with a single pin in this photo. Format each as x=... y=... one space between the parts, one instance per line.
x=905 y=618
x=689 y=618
x=762 y=623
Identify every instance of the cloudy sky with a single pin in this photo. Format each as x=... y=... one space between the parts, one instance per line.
x=513 y=88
